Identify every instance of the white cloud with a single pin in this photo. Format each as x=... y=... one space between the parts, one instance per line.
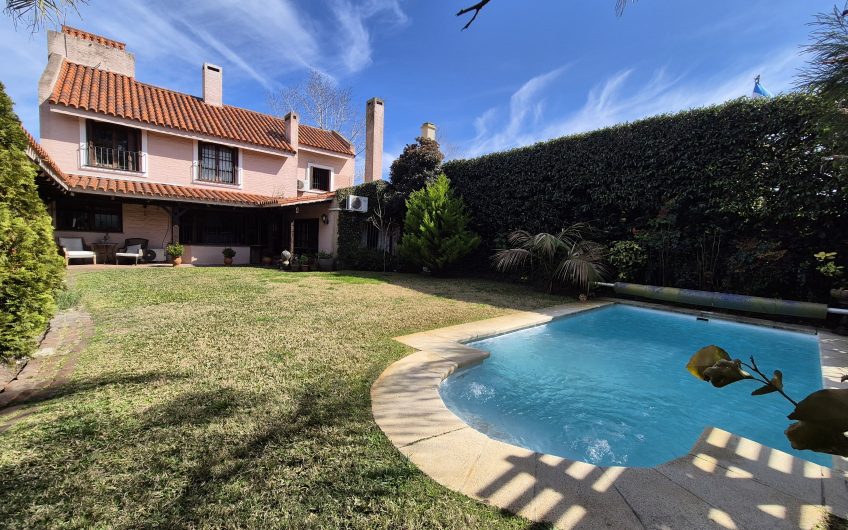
x=617 y=100
x=268 y=42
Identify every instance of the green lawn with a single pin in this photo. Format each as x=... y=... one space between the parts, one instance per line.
x=239 y=397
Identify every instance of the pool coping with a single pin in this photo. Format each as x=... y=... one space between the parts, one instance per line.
x=725 y=480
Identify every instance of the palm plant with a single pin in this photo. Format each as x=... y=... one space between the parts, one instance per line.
x=566 y=257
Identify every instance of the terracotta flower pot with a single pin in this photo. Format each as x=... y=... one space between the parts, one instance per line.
x=266 y=260
x=176 y=261
x=228 y=261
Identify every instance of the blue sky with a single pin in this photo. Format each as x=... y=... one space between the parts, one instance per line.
x=526 y=70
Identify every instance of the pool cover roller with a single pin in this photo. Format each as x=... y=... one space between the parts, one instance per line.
x=737 y=302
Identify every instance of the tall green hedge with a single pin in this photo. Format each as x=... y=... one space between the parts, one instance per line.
x=30 y=269
x=736 y=197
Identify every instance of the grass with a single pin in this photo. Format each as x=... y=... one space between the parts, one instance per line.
x=239 y=397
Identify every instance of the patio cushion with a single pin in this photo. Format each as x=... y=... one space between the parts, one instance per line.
x=133 y=249
x=79 y=254
x=71 y=243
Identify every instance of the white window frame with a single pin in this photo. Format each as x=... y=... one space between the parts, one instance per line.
x=308 y=186
x=195 y=167
x=83 y=149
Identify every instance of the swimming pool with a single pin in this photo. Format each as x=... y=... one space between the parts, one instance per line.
x=610 y=387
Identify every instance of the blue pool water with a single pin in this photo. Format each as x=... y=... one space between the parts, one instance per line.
x=610 y=386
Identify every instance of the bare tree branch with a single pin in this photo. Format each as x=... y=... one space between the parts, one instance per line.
x=476 y=8
x=322 y=104
x=619 y=9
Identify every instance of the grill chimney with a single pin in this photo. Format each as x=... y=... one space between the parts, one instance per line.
x=428 y=130
x=374 y=139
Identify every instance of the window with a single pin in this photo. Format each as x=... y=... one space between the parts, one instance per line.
x=91 y=216
x=113 y=146
x=320 y=179
x=219 y=227
x=217 y=163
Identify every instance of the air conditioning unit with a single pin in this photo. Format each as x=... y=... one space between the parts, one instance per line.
x=301 y=184
x=155 y=255
x=355 y=203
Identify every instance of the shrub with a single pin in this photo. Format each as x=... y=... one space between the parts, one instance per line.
x=227 y=252
x=628 y=258
x=435 y=229
x=693 y=189
x=418 y=164
x=175 y=250
x=31 y=271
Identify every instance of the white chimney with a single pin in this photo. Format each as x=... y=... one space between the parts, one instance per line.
x=292 y=130
x=428 y=130
x=213 y=84
x=374 y=113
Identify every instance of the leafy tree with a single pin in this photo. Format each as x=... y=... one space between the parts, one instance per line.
x=566 y=257
x=435 y=229
x=31 y=270
x=419 y=164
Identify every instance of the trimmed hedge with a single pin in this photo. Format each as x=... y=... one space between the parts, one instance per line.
x=31 y=271
x=735 y=197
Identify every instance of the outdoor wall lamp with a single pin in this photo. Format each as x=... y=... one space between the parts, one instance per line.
x=325 y=219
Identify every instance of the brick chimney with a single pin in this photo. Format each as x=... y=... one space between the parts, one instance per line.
x=84 y=48
x=428 y=130
x=213 y=84
x=292 y=132
x=374 y=139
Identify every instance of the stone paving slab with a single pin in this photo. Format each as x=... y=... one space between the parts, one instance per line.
x=49 y=368
x=724 y=482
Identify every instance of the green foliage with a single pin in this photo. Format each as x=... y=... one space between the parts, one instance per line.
x=566 y=257
x=175 y=250
x=821 y=418
x=228 y=252
x=351 y=253
x=324 y=255
x=436 y=234
x=827 y=266
x=31 y=271
x=741 y=191
x=628 y=258
x=418 y=164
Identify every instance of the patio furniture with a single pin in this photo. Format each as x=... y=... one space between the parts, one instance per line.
x=105 y=251
x=74 y=248
x=133 y=249
x=133 y=252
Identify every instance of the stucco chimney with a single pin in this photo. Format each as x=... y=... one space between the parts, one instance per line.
x=374 y=113
x=428 y=130
x=213 y=84
x=292 y=130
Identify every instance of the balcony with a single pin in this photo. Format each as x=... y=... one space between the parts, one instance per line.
x=118 y=159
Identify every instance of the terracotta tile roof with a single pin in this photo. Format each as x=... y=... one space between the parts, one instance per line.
x=329 y=140
x=91 y=89
x=80 y=34
x=155 y=190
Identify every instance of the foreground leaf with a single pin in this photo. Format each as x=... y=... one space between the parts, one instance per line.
x=725 y=372
x=704 y=359
x=817 y=437
x=774 y=385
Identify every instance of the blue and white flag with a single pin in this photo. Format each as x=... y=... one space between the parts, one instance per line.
x=759 y=91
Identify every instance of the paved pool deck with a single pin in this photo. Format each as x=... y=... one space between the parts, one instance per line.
x=725 y=481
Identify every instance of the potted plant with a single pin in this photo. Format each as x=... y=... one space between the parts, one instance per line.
x=827 y=267
x=305 y=262
x=266 y=260
x=175 y=250
x=229 y=254
x=325 y=261
x=295 y=263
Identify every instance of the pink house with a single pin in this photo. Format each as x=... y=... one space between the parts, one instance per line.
x=132 y=160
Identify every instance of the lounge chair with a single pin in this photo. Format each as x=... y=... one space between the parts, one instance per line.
x=133 y=249
x=74 y=248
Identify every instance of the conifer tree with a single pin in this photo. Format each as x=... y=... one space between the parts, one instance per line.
x=30 y=268
x=435 y=229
